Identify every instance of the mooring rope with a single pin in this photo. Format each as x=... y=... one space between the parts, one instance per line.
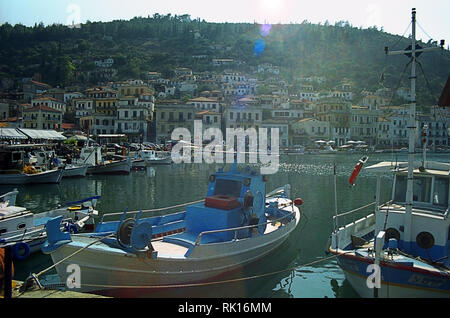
x=73 y=254
x=235 y=280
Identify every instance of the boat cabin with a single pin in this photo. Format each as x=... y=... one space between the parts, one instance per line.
x=90 y=156
x=429 y=233
x=146 y=154
x=234 y=199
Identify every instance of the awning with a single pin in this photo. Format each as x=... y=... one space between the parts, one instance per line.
x=42 y=134
x=11 y=133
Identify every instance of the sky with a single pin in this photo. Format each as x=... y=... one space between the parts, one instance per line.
x=433 y=16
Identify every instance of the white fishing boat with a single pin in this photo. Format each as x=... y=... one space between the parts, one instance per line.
x=402 y=248
x=145 y=158
x=25 y=231
x=235 y=225
x=19 y=178
x=91 y=157
x=74 y=171
x=18 y=169
x=111 y=167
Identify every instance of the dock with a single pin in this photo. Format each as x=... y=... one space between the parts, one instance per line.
x=36 y=292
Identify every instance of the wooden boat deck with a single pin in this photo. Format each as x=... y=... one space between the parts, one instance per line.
x=169 y=249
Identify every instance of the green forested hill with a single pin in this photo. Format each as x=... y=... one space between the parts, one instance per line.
x=160 y=43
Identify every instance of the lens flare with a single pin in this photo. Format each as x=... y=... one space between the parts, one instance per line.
x=259 y=47
x=265 y=29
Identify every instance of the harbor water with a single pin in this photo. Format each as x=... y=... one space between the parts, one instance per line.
x=298 y=269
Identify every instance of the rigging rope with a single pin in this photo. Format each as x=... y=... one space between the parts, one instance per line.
x=213 y=282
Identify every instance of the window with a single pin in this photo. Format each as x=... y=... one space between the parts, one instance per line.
x=422 y=189
x=400 y=189
x=228 y=187
x=440 y=195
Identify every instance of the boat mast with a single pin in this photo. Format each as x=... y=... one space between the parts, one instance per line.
x=412 y=139
x=411 y=125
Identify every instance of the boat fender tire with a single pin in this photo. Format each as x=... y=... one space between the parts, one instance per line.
x=425 y=240
x=391 y=233
x=17 y=251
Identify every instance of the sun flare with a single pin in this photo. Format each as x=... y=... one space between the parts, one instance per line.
x=272 y=6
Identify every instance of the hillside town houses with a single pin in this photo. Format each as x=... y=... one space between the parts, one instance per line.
x=150 y=109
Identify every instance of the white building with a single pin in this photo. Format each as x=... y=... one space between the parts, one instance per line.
x=49 y=102
x=83 y=107
x=204 y=103
x=105 y=63
x=132 y=118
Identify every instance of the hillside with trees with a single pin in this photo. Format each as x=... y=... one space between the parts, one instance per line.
x=160 y=43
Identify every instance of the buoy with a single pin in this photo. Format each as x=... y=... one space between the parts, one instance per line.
x=17 y=251
x=298 y=201
x=356 y=170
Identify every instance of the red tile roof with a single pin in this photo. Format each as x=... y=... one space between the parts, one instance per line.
x=42 y=108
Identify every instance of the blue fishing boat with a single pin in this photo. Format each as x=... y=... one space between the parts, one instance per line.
x=236 y=224
x=401 y=250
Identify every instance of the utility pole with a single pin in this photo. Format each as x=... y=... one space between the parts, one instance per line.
x=413 y=51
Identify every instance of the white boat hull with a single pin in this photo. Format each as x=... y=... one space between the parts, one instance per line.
x=106 y=270
x=51 y=176
x=75 y=171
x=115 y=167
x=390 y=290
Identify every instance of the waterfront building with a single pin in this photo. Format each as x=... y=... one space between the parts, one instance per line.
x=384 y=138
x=210 y=119
x=106 y=105
x=243 y=116
x=283 y=130
x=98 y=124
x=49 y=102
x=437 y=131
x=171 y=114
x=204 y=103
x=307 y=130
x=41 y=117
x=132 y=118
x=363 y=124
x=337 y=113
x=83 y=107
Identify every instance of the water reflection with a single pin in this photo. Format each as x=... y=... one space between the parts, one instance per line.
x=310 y=177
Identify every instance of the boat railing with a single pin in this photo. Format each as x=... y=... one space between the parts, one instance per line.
x=25 y=235
x=337 y=216
x=150 y=211
x=237 y=229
